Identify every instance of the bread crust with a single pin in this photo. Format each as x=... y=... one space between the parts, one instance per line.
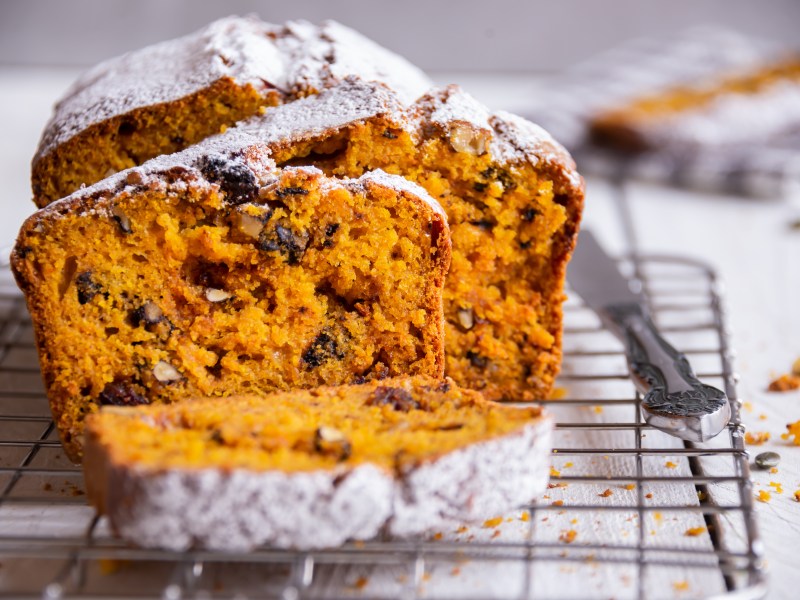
x=212 y=507
x=166 y=97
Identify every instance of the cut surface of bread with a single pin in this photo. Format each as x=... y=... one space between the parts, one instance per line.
x=513 y=200
x=210 y=272
x=165 y=97
x=313 y=468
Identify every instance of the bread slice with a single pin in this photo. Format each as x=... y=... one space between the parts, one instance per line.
x=513 y=201
x=738 y=108
x=165 y=97
x=211 y=272
x=309 y=469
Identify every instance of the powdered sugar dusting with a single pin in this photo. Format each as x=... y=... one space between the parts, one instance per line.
x=455 y=105
x=295 y=59
x=349 y=102
x=401 y=184
x=517 y=137
x=232 y=146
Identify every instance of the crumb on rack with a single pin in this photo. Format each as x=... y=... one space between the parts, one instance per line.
x=462 y=529
x=756 y=438
x=776 y=486
x=763 y=496
x=490 y=523
x=695 y=531
x=568 y=536
x=606 y=493
x=598 y=409
x=680 y=586
x=568 y=465
x=554 y=472
x=558 y=393
x=437 y=536
x=361 y=583
x=797 y=496
x=558 y=503
x=793 y=430
x=649 y=495
x=525 y=516
x=629 y=486
x=671 y=465
x=785 y=383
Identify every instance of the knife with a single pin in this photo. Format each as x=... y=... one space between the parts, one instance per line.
x=674 y=400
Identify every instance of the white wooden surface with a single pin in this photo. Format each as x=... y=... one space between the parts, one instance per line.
x=748 y=242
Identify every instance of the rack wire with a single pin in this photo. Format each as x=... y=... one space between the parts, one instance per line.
x=630 y=513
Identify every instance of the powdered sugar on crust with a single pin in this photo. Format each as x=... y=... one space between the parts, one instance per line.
x=518 y=137
x=233 y=146
x=237 y=510
x=297 y=58
x=453 y=104
x=349 y=102
x=511 y=139
x=403 y=185
x=474 y=483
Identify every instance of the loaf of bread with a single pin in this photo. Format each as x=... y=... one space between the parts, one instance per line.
x=212 y=272
x=511 y=193
x=163 y=98
x=310 y=469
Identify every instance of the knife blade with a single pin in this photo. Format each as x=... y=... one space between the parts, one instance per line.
x=674 y=400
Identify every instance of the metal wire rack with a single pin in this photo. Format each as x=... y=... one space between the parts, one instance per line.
x=631 y=512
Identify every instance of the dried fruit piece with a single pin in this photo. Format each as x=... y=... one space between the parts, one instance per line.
x=120 y=393
x=476 y=360
x=166 y=373
x=235 y=179
x=323 y=348
x=288 y=242
x=87 y=288
x=398 y=398
x=332 y=442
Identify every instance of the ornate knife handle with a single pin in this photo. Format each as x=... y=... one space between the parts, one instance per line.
x=674 y=399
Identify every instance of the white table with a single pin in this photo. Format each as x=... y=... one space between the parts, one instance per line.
x=748 y=242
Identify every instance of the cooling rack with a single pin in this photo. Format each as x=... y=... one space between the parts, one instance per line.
x=630 y=513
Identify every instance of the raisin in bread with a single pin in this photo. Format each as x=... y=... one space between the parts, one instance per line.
x=314 y=468
x=163 y=98
x=211 y=272
x=513 y=200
